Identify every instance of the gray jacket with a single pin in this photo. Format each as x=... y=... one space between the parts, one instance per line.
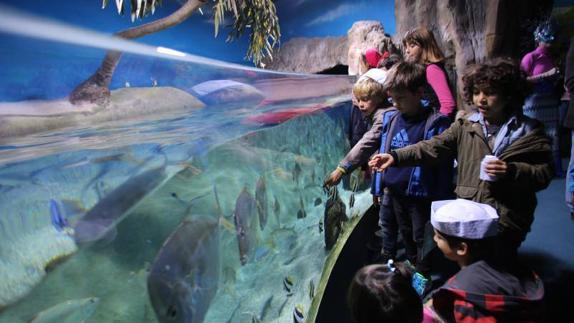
x=367 y=146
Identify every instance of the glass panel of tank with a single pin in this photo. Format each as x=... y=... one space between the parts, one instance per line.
x=194 y=193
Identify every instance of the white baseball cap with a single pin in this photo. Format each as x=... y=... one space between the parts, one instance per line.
x=375 y=74
x=464 y=219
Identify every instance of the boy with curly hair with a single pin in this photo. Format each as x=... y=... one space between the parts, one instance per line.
x=520 y=161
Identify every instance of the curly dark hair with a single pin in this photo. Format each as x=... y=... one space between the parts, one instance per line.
x=498 y=75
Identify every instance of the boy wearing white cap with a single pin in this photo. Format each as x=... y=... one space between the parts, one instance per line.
x=489 y=287
x=371 y=97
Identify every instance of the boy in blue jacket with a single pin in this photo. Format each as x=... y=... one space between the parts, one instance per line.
x=408 y=192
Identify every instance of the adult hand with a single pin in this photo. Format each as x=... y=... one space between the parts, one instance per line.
x=380 y=162
x=333 y=179
x=496 y=168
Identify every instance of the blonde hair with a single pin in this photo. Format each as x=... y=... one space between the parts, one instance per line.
x=369 y=89
x=422 y=37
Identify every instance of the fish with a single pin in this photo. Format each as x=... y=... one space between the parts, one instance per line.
x=266 y=307
x=261 y=200
x=281 y=173
x=313 y=175
x=176 y=196
x=306 y=161
x=298 y=316
x=352 y=200
x=105 y=159
x=354 y=181
x=58 y=220
x=311 y=289
x=217 y=203
x=276 y=210
x=296 y=173
x=115 y=206
x=301 y=213
x=321 y=225
x=282 y=306
x=184 y=276
x=228 y=275
x=233 y=313
x=245 y=226
x=318 y=201
x=288 y=284
x=191 y=201
x=333 y=217
x=260 y=253
x=288 y=261
x=71 y=311
x=104 y=170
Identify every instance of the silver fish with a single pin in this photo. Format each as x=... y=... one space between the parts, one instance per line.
x=282 y=307
x=333 y=217
x=114 y=207
x=245 y=225
x=277 y=210
x=185 y=274
x=265 y=308
x=296 y=173
x=72 y=311
x=301 y=213
x=311 y=289
x=261 y=199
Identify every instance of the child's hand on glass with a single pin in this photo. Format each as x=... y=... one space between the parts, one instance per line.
x=380 y=162
x=333 y=179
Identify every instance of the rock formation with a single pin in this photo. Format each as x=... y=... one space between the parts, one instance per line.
x=310 y=55
x=27 y=117
x=363 y=35
x=314 y=55
x=471 y=31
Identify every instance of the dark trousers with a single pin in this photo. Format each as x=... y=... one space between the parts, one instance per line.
x=389 y=226
x=412 y=215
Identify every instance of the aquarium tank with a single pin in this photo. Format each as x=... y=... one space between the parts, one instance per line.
x=193 y=194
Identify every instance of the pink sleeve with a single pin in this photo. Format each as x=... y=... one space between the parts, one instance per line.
x=527 y=63
x=437 y=80
x=428 y=315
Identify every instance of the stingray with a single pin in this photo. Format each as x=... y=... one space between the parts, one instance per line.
x=185 y=274
x=102 y=219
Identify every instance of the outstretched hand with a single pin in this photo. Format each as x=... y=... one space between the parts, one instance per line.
x=333 y=179
x=380 y=162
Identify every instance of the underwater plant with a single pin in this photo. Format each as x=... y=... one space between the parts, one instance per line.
x=258 y=16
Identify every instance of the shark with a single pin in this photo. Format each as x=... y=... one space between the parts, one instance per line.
x=103 y=217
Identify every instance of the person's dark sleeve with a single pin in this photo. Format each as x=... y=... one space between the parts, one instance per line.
x=431 y=152
x=569 y=83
